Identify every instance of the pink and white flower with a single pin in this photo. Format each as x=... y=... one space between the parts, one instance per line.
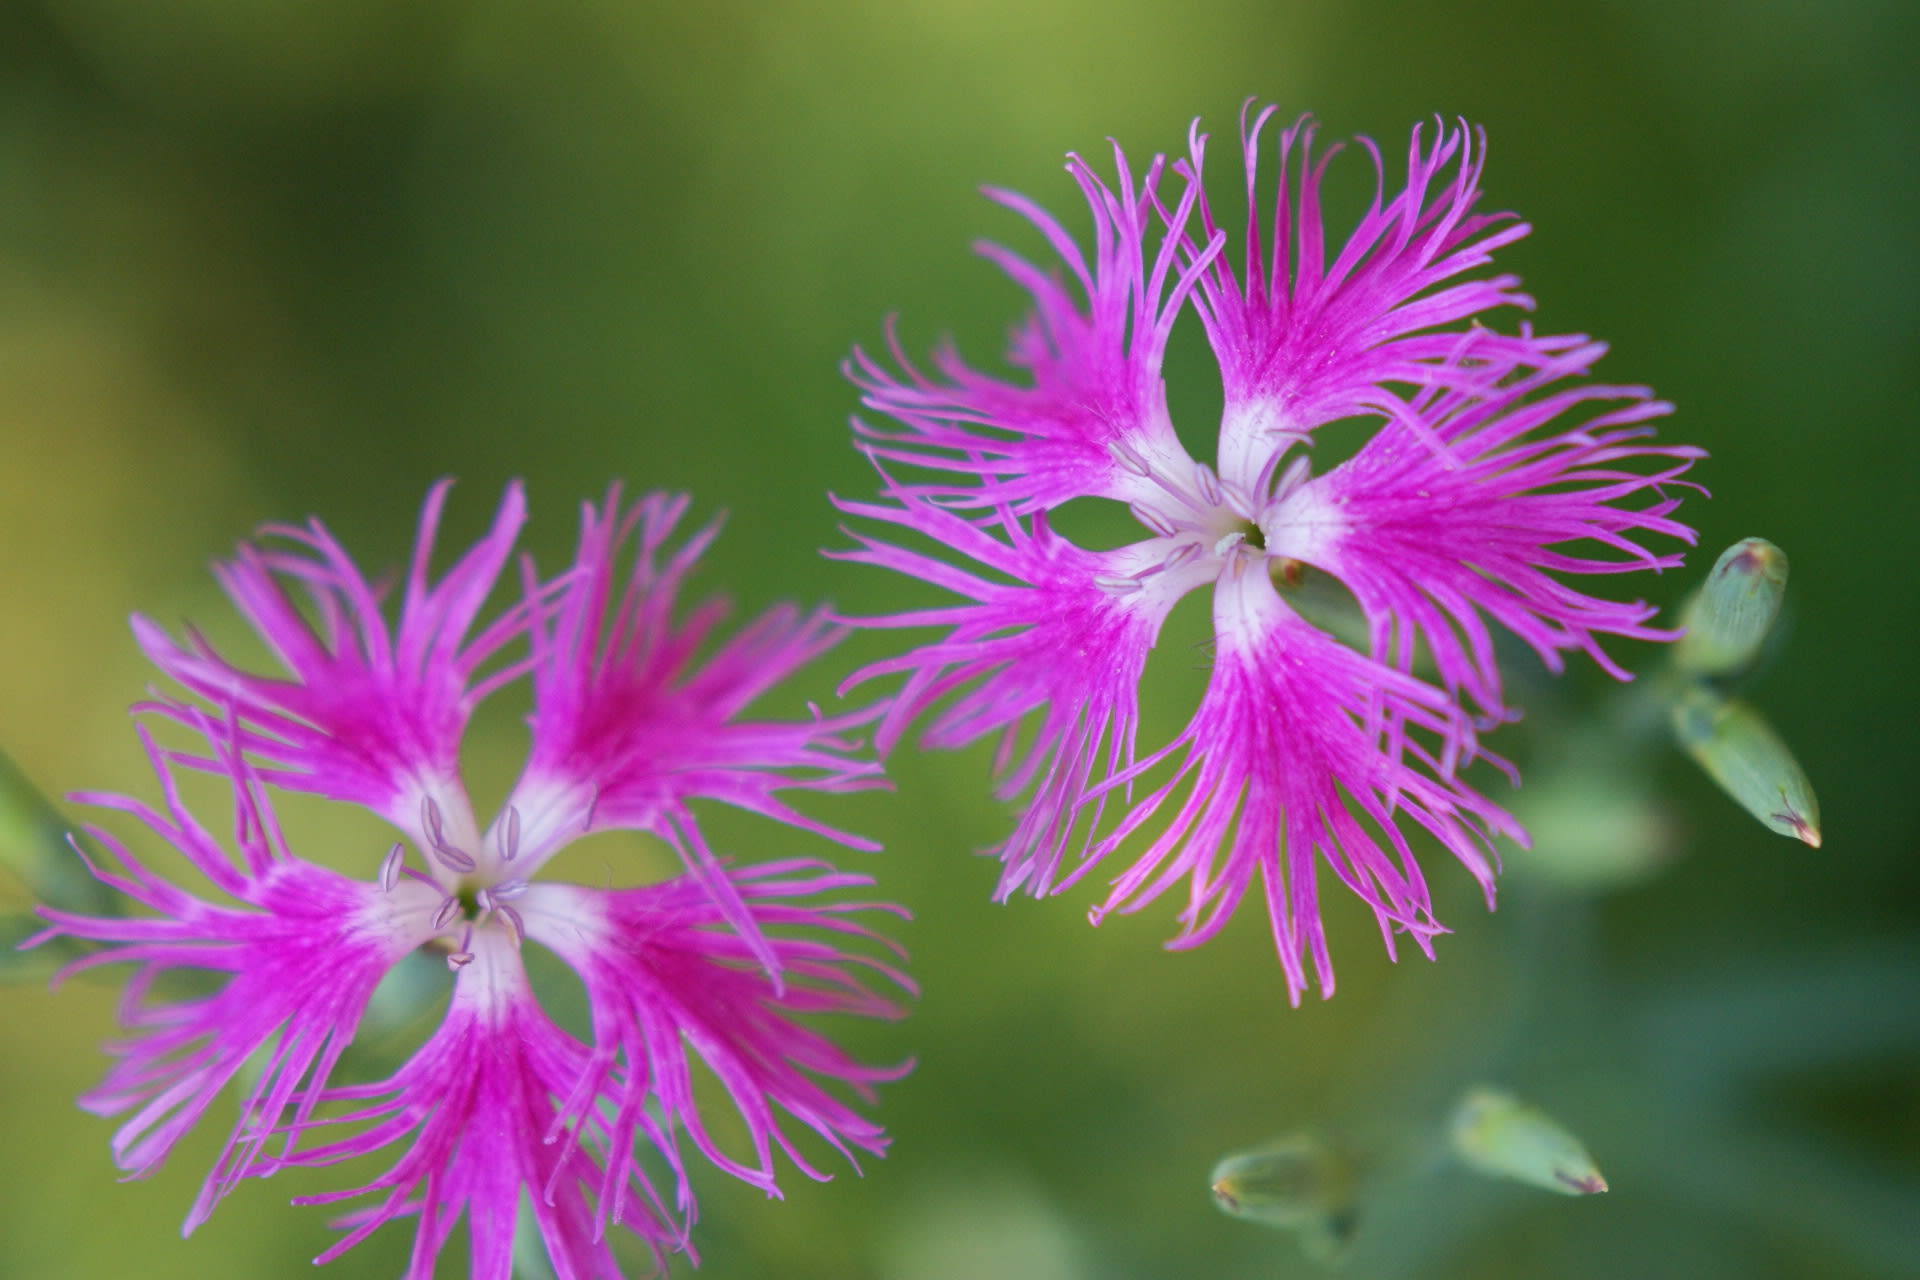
x=633 y=720
x=1494 y=473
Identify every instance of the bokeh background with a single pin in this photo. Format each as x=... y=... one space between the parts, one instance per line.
x=266 y=258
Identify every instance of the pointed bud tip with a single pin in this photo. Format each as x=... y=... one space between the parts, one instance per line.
x=1756 y=556
x=1295 y=1182
x=1802 y=830
x=1740 y=751
x=1500 y=1136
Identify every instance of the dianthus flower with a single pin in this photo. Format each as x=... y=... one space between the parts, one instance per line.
x=1492 y=474
x=500 y=1107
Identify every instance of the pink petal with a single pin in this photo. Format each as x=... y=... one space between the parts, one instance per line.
x=366 y=713
x=1303 y=752
x=1094 y=391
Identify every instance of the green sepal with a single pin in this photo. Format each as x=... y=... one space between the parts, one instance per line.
x=1743 y=754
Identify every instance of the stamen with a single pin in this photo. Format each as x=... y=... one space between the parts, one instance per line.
x=1124 y=454
x=390 y=867
x=1228 y=541
x=452 y=858
x=510 y=835
x=1115 y=586
x=1153 y=520
x=1208 y=482
x=461 y=956
x=1292 y=478
x=1186 y=555
x=449 y=854
x=508 y=890
x=448 y=911
x=430 y=819
x=1239 y=503
x=515 y=925
x=1271 y=468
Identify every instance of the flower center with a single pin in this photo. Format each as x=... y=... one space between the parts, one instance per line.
x=472 y=907
x=1207 y=518
x=1244 y=533
x=474 y=890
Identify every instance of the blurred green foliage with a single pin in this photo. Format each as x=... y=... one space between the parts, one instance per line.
x=264 y=258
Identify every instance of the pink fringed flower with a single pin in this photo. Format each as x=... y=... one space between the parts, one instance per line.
x=500 y=1106
x=1494 y=472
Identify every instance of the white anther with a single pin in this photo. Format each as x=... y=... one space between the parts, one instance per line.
x=430 y=820
x=510 y=835
x=452 y=858
x=515 y=925
x=390 y=867
x=1186 y=555
x=1208 y=483
x=1125 y=454
x=1292 y=478
x=1153 y=520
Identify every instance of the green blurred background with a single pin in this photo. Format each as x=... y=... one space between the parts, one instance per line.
x=265 y=258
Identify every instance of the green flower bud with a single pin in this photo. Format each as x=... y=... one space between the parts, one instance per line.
x=1742 y=753
x=1728 y=619
x=1301 y=1183
x=1497 y=1134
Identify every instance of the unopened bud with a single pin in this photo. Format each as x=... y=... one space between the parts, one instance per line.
x=1497 y=1134
x=1743 y=754
x=1301 y=1183
x=1728 y=620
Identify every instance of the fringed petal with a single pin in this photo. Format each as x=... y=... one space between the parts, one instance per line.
x=1094 y=393
x=367 y=712
x=1303 y=752
x=1461 y=510
x=670 y=982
